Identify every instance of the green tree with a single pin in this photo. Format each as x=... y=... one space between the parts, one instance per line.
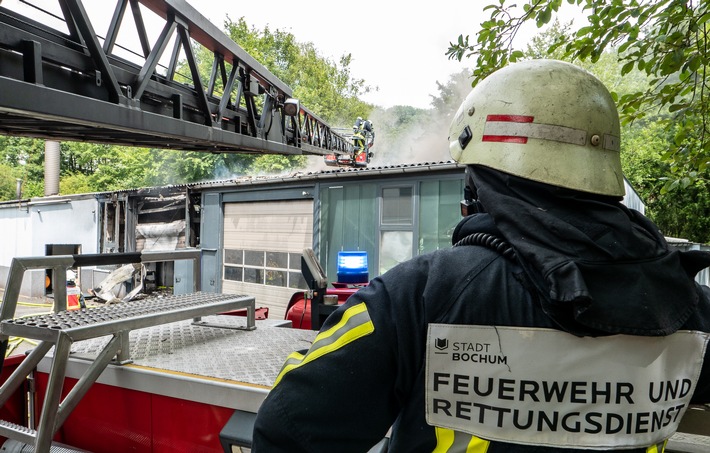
x=666 y=39
x=120 y=167
x=8 y=182
x=26 y=157
x=275 y=163
x=75 y=183
x=179 y=167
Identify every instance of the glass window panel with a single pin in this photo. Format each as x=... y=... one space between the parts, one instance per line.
x=349 y=220
x=233 y=256
x=395 y=248
x=277 y=259
x=397 y=206
x=451 y=193
x=294 y=261
x=439 y=213
x=233 y=273
x=296 y=280
x=252 y=275
x=276 y=278
x=252 y=258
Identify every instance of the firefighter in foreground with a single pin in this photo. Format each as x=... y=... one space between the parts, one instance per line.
x=560 y=321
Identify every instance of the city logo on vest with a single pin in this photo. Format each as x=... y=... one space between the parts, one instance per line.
x=442 y=344
x=477 y=352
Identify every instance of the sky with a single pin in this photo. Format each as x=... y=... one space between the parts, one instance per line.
x=397 y=46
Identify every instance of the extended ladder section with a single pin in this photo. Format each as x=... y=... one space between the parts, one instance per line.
x=62 y=328
x=71 y=81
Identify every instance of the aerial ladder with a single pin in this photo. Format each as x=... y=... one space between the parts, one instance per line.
x=73 y=84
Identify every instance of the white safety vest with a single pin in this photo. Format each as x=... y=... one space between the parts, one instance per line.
x=546 y=387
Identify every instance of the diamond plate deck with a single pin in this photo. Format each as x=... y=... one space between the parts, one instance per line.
x=219 y=366
x=252 y=357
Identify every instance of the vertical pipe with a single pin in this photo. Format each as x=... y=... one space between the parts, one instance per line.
x=51 y=168
x=18 y=187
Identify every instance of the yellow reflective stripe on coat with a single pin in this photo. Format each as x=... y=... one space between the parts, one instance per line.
x=450 y=441
x=355 y=323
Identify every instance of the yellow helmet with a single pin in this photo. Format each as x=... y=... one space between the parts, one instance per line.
x=544 y=120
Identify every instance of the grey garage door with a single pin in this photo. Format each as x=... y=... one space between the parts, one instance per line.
x=263 y=242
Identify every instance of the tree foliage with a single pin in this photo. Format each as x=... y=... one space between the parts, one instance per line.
x=682 y=213
x=8 y=182
x=667 y=40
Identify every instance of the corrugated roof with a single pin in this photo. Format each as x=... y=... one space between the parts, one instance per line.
x=331 y=173
x=334 y=172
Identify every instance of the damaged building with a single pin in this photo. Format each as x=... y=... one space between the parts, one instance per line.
x=165 y=218
x=251 y=231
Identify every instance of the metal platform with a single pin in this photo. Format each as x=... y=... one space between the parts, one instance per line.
x=106 y=320
x=688 y=443
x=114 y=322
x=189 y=361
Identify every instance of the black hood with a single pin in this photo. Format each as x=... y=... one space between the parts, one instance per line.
x=600 y=268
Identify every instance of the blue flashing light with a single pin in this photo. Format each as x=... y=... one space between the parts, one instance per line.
x=352 y=267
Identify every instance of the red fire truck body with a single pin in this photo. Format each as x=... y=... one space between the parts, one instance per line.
x=176 y=393
x=183 y=383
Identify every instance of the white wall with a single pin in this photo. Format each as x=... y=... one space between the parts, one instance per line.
x=27 y=229
x=16 y=237
x=75 y=222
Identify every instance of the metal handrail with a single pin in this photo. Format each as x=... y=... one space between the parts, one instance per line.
x=60 y=263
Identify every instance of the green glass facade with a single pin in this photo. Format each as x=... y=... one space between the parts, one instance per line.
x=441 y=212
x=391 y=221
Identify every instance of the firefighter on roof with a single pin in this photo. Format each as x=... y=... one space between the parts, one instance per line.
x=363 y=135
x=358 y=124
x=560 y=320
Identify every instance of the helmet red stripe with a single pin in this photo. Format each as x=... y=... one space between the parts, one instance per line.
x=511 y=118
x=504 y=139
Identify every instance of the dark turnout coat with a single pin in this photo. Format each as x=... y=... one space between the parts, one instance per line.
x=366 y=373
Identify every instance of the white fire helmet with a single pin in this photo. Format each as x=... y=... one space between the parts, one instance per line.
x=544 y=120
